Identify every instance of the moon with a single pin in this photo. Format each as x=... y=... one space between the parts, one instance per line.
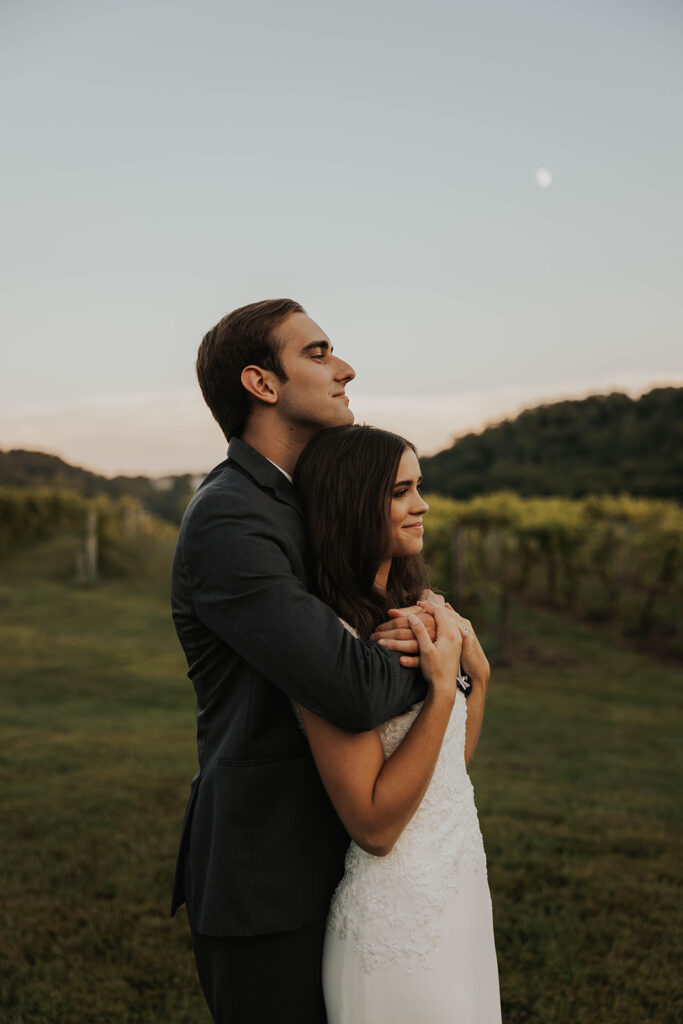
x=544 y=177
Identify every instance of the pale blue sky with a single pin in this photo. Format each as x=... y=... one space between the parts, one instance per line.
x=165 y=162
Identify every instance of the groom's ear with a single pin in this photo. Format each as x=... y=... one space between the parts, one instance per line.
x=259 y=383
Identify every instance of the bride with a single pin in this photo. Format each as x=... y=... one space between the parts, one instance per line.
x=409 y=934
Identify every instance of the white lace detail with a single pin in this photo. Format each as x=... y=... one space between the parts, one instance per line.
x=392 y=907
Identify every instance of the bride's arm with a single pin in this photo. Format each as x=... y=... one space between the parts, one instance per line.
x=374 y=798
x=395 y=635
x=476 y=664
x=475 y=715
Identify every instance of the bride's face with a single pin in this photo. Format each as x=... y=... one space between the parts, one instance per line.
x=407 y=508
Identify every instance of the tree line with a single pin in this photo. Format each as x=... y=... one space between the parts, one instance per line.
x=605 y=444
x=166 y=498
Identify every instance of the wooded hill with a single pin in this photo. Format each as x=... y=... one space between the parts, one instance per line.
x=166 y=498
x=605 y=444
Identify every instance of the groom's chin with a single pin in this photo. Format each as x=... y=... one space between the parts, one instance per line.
x=349 y=416
x=343 y=418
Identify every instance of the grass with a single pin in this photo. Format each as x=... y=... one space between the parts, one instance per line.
x=578 y=781
x=578 y=776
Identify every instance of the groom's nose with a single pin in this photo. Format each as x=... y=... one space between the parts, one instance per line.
x=345 y=371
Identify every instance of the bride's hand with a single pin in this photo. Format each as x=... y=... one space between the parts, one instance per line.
x=439 y=659
x=473 y=660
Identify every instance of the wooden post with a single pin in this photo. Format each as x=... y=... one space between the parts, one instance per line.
x=91 y=545
x=87 y=557
x=502 y=623
x=499 y=570
x=458 y=548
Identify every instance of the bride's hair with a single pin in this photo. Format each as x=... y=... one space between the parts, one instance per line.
x=345 y=477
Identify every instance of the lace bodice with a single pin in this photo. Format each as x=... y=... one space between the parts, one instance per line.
x=391 y=907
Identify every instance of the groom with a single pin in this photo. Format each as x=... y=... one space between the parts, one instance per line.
x=262 y=849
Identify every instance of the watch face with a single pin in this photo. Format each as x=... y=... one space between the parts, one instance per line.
x=464 y=683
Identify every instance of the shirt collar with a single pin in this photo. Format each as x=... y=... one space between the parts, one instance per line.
x=283 y=471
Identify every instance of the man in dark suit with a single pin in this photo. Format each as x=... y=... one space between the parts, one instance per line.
x=262 y=849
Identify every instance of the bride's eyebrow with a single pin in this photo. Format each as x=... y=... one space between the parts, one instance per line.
x=407 y=483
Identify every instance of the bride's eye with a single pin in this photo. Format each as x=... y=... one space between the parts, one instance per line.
x=402 y=493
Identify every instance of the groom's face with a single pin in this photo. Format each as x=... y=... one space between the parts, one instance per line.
x=313 y=394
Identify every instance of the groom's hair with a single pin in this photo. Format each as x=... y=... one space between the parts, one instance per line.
x=245 y=337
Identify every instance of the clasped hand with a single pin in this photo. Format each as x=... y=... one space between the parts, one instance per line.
x=397 y=635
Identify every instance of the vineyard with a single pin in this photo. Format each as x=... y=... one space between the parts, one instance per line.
x=616 y=561
x=608 y=560
x=96 y=525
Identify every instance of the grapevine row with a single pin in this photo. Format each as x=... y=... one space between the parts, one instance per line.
x=601 y=558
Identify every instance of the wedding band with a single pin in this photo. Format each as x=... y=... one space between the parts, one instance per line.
x=465 y=629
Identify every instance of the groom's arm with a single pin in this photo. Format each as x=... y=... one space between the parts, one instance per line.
x=243 y=589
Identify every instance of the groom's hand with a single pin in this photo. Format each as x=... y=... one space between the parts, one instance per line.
x=396 y=634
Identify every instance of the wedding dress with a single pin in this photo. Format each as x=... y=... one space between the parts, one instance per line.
x=410 y=936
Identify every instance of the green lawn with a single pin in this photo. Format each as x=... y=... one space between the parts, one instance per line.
x=578 y=776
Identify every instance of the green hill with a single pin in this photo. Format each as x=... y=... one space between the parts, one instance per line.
x=165 y=497
x=605 y=444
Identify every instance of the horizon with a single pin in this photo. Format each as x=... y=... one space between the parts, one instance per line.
x=200 y=471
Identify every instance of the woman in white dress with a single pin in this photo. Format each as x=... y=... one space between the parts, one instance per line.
x=410 y=934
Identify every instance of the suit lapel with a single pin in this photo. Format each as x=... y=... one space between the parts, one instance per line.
x=264 y=473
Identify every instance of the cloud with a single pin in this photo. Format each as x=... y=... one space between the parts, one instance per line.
x=173 y=432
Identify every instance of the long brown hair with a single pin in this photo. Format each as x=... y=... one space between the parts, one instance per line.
x=345 y=477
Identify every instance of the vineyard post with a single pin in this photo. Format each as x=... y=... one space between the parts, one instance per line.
x=500 y=577
x=502 y=624
x=551 y=570
x=457 y=563
x=659 y=587
x=91 y=546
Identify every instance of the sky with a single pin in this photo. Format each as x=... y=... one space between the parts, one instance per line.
x=164 y=163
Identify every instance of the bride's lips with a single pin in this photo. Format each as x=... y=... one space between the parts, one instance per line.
x=414 y=526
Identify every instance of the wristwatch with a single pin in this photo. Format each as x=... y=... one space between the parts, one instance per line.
x=464 y=682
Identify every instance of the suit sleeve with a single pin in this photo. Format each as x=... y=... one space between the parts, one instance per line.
x=244 y=590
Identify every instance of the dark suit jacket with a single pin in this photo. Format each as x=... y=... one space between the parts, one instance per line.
x=262 y=848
